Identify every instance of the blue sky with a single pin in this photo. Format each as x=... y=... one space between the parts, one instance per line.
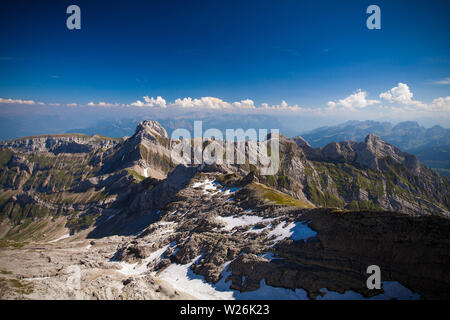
x=306 y=53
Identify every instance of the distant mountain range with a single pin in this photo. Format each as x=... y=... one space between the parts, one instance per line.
x=430 y=145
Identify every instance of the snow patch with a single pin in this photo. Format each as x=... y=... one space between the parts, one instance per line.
x=208 y=185
x=259 y=230
x=266 y=292
x=37 y=278
x=294 y=230
x=130 y=269
x=110 y=217
x=270 y=256
x=230 y=190
x=239 y=221
x=302 y=231
x=182 y=278
x=211 y=185
x=392 y=290
x=60 y=238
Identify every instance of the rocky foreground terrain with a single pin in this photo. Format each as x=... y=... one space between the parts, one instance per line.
x=99 y=218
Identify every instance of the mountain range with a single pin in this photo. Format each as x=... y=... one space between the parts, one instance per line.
x=430 y=145
x=121 y=211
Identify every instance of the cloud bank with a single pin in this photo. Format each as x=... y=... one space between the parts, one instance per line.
x=397 y=101
x=354 y=101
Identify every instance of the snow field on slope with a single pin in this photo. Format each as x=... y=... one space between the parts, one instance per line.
x=239 y=221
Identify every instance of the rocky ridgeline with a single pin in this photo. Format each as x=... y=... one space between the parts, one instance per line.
x=367 y=154
x=61 y=143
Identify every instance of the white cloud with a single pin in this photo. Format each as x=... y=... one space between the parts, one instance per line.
x=441 y=104
x=244 y=104
x=188 y=102
x=442 y=81
x=27 y=102
x=150 y=102
x=158 y=102
x=284 y=106
x=212 y=103
x=203 y=102
x=399 y=94
x=72 y=104
x=403 y=96
x=354 y=101
x=102 y=104
x=18 y=101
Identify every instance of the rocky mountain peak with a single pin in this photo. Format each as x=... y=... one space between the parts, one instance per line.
x=372 y=139
x=301 y=142
x=146 y=152
x=151 y=127
x=380 y=148
x=367 y=153
x=374 y=148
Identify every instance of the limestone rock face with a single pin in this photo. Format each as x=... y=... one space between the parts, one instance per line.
x=366 y=154
x=152 y=129
x=146 y=152
x=373 y=149
x=301 y=142
x=337 y=170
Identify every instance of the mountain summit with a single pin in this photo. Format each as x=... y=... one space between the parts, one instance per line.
x=430 y=145
x=145 y=153
x=369 y=153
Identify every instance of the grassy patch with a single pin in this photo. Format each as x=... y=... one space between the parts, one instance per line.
x=5 y=156
x=11 y=244
x=136 y=175
x=80 y=223
x=27 y=230
x=225 y=178
x=277 y=197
